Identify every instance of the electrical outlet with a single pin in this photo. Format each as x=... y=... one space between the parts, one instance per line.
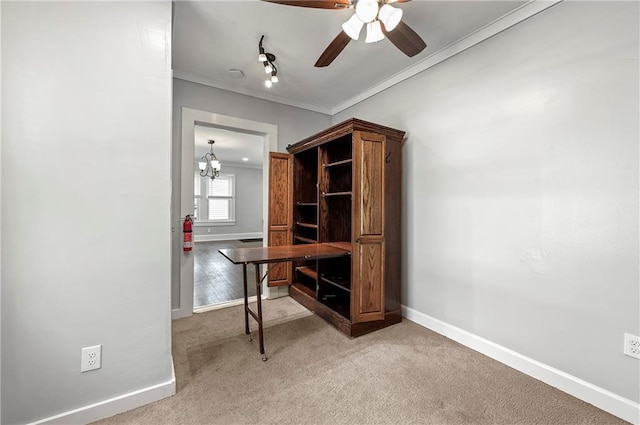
x=91 y=358
x=632 y=345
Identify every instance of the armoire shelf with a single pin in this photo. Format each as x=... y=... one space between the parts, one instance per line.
x=305 y=240
x=338 y=163
x=303 y=290
x=343 y=187
x=337 y=194
x=308 y=271
x=307 y=225
x=339 y=282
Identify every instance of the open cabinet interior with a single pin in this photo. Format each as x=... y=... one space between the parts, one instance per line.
x=305 y=217
x=342 y=182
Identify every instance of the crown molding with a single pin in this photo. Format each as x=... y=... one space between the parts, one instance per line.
x=524 y=12
x=185 y=76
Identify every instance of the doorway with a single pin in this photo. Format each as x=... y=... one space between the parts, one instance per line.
x=190 y=119
x=228 y=212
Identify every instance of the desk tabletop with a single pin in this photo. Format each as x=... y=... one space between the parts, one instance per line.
x=276 y=254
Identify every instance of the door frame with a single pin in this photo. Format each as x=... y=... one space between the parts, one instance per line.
x=191 y=118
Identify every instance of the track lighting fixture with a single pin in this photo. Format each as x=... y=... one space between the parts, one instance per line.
x=268 y=60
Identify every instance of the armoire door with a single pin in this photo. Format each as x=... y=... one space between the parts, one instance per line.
x=280 y=213
x=367 y=301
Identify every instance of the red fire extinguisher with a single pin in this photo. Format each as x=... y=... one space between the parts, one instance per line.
x=187 y=230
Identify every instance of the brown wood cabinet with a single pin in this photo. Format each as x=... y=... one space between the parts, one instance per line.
x=343 y=186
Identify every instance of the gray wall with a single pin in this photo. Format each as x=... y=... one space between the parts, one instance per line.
x=520 y=203
x=86 y=108
x=293 y=124
x=521 y=189
x=248 y=194
x=0 y=223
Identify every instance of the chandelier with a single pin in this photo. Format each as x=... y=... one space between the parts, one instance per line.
x=210 y=166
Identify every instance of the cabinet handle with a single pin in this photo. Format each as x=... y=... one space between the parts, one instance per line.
x=387 y=159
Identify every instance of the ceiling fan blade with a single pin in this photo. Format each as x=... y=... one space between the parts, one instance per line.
x=405 y=39
x=318 y=4
x=333 y=50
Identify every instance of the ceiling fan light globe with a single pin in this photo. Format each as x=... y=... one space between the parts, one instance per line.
x=274 y=79
x=374 y=32
x=353 y=27
x=268 y=69
x=367 y=10
x=202 y=165
x=390 y=16
x=268 y=83
x=262 y=57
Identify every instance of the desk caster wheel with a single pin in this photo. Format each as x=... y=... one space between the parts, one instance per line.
x=250 y=339
x=264 y=358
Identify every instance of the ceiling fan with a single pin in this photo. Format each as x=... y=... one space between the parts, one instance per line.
x=381 y=20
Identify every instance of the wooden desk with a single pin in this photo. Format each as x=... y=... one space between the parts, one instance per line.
x=275 y=254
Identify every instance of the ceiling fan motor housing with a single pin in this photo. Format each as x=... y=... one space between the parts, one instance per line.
x=367 y=10
x=381 y=19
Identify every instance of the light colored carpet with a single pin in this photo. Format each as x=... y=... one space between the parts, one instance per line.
x=404 y=374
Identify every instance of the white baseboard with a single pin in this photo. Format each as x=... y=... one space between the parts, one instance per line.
x=226 y=237
x=179 y=313
x=603 y=399
x=113 y=406
x=231 y=303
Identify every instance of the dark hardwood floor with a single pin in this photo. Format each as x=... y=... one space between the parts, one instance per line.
x=216 y=279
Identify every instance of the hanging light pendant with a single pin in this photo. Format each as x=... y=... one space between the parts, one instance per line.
x=210 y=166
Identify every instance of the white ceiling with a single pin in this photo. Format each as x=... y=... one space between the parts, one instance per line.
x=229 y=147
x=212 y=37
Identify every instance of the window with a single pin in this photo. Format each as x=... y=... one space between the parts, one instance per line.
x=219 y=197
x=197 y=195
x=217 y=205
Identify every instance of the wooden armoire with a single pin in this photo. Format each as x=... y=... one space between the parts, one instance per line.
x=341 y=186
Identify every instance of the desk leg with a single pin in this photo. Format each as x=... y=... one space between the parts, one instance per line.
x=259 y=302
x=246 y=301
